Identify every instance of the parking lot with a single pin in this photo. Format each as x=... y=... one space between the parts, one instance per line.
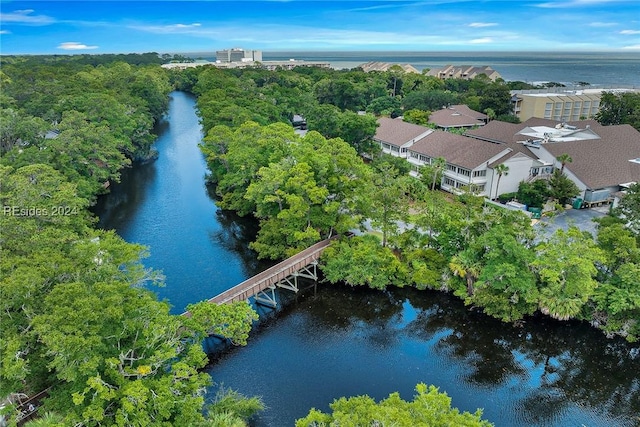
x=581 y=218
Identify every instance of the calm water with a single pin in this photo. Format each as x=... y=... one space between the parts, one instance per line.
x=344 y=341
x=597 y=68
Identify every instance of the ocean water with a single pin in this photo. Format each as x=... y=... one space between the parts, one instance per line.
x=600 y=69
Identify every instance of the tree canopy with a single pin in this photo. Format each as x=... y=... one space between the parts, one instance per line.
x=429 y=407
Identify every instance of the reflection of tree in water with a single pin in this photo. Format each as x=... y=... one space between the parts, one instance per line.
x=371 y=314
x=234 y=235
x=566 y=361
x=481 y=343
x=587 y=368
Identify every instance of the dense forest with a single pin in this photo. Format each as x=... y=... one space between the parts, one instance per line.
x=77 y=320
x=306 y=188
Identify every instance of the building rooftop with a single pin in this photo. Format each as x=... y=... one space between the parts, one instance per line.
x=457 y=116
x=457 y=149
x=602 y=156
x=398 y=132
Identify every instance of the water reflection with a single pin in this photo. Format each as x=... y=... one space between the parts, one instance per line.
x=542 y=373
x=345 y=341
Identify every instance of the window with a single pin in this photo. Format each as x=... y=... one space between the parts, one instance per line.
x=479 y=173
x=451 y=168
x=425 y=159
x=414 y=154
x=448 y=181
x=464 y=172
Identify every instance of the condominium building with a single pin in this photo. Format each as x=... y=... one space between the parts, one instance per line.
x=238 y=55
x=560 y=104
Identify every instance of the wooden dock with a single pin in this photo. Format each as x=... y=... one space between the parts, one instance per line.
x=277 y=276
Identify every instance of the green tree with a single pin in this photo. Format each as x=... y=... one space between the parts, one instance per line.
x=429 y=408
x=312 y=193
x=418 y=117
x=497 y=97
x=533 y=193
x=432 y=100
x=629 y=208
x=358 y=130
x=362 y=261
x=505 y=286
x=388 y=207
x=385 y=106
x=438 y=166
x=235 y=157
x=562 y=188
x=500 y=170
x=564 y=159
x=566 y=269
x=619 y=108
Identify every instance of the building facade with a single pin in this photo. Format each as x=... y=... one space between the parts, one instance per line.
x=238 y=55
x=560 y=104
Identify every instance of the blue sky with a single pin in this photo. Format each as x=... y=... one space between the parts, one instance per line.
x=430 y=25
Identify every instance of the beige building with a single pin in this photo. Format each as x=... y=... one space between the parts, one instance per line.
x=561 y=104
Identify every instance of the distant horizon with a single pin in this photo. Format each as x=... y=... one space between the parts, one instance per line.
x=358 y=51
x=110 y=27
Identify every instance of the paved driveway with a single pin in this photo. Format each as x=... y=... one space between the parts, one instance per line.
x=581 y=218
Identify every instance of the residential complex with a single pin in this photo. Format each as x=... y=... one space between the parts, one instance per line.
x=457 y=116
x=605 y=159
x=558 y=103
x=466 y=72
x=385 y=66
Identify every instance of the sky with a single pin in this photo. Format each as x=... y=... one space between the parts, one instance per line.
x=67 y=27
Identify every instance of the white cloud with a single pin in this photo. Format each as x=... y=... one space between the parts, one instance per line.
x=482 y=24
x=630 y=32
x=632 y=47
x=75 y=46
x=482 y=40
x=171 y=29
x=573 y=3
x=5 y=32
x=26 y=17
x=602 y=24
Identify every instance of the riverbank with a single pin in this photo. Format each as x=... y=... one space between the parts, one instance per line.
x=345 y=341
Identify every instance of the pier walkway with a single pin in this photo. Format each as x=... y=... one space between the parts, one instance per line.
x=282 y=275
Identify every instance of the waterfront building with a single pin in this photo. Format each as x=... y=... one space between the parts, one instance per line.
x=466 y=72
x=385 y=66
x=560 y=103
x=238 y=55
x=605 y=159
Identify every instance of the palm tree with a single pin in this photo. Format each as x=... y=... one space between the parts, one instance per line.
x=462 y=265
x=438 y=166
x=501 y=169
x=563 y=159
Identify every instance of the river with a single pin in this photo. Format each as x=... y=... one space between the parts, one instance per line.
x=346 y=341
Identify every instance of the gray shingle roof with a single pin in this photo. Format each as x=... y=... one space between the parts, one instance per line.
x=597 y=163
x=456 y=149
x=457 y=116
x=397 y=132
x=603 y=162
